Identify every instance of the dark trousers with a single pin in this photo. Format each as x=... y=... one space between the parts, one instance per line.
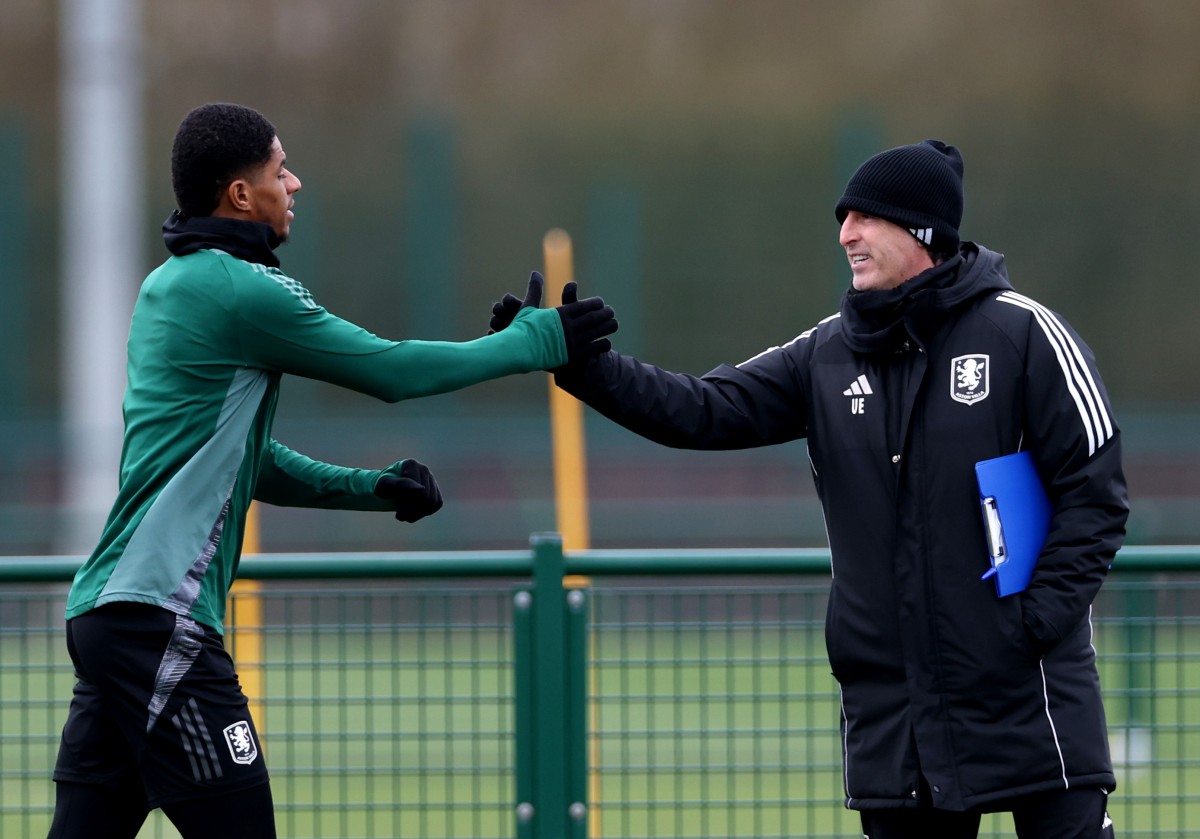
x=89 y=811
x=1061 y=814
x=136 y=739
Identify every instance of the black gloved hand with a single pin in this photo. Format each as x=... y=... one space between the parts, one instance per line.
x=414 y=491
x=505 y=311
x=585 y=324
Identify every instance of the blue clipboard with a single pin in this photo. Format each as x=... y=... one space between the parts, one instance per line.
x=1016 y=519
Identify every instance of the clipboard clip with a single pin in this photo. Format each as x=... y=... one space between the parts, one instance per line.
x=995 y=536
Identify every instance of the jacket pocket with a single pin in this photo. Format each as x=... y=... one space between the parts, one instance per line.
x=1014 y=627
x=832 y=649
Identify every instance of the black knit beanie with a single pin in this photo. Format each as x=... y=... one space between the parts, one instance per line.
x=918 y=187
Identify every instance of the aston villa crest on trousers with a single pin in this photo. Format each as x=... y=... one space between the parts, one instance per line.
x=240 y=740
x=969 y=378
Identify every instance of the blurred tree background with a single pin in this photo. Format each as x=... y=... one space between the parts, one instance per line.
x=694 y=150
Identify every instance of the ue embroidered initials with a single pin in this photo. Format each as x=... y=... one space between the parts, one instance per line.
x=858 y=392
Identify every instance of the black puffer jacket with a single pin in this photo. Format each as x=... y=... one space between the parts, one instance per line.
x=899 y=396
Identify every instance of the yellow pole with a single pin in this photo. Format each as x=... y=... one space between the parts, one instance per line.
x=570 y=474
x=246 y=621
x=566 y=416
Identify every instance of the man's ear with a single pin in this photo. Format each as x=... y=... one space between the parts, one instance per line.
x=237 y=196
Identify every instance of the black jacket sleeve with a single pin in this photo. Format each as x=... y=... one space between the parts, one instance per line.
x=756 y=403
x=1076 y=443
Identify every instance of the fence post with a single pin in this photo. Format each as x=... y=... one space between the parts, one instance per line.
x=524 y=717
x=551 y=750
x=578 y=763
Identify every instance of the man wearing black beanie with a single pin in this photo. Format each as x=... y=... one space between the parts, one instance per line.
x=916 y=187
x=955 y=701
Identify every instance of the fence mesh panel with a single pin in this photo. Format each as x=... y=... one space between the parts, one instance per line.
x=389 y=708
x=714 y=713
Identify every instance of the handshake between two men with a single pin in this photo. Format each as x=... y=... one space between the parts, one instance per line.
x=586 y=323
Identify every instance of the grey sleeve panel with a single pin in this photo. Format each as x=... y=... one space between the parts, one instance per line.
x=170 y=550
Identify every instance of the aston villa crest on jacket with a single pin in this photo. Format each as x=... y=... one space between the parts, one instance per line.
x=969 y=375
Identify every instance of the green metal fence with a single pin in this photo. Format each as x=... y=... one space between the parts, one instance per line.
x=616 y=694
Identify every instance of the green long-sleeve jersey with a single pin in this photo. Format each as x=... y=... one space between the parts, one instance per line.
x=210 y=338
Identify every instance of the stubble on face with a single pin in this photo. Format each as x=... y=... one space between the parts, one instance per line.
x=274 y=187
x=882 y=255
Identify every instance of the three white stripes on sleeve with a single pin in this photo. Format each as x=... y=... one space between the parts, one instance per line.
x=1080 y=382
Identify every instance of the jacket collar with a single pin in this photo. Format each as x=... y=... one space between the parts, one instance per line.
x=878 y=321
x=250 y=241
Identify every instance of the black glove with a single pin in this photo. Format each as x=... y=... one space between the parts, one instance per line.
x=505 y=311
x=414 y=491
x=585 y=324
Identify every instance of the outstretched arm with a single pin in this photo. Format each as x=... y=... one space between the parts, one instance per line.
x=282 y=329
x=290 y=479
x=756 y=403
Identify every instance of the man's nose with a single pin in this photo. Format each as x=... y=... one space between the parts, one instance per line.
x=847 y=233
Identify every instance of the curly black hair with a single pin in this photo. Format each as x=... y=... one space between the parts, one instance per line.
x=215 y=144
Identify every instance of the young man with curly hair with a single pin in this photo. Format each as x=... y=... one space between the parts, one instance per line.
x=158 y=719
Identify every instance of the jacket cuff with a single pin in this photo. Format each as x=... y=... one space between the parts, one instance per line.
x=1042 y=634
x=573 y=378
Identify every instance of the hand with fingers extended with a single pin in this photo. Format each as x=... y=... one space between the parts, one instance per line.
x=505 y=310
x=587 y=323
x=413 y=491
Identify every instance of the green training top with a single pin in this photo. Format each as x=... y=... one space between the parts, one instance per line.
x=210 y=338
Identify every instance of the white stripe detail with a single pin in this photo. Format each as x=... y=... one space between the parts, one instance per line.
x=1080 y=383
x=845 y=747
x=1053 y=731
x=925 y=234
x=795 y=340
x=866 y=388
